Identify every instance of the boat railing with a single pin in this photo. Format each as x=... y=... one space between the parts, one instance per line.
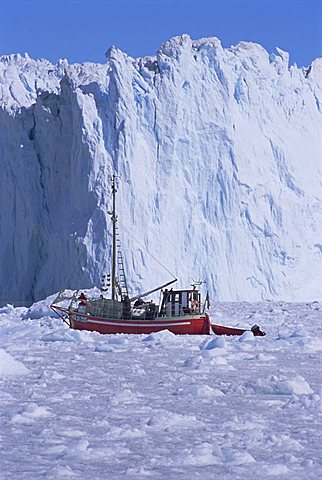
x=102 y=308
x=114 y=310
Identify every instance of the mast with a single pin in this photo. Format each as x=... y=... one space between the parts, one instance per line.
x=114 y=220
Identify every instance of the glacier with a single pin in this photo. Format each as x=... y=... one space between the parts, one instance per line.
x=218 y=157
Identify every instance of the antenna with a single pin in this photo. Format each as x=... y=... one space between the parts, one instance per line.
x=197 y=283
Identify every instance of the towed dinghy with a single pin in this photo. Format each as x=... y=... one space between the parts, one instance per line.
x=222 y=330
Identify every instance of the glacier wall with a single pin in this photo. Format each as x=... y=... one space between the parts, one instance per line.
x=219 y=163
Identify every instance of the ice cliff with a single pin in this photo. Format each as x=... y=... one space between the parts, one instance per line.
x=219 y=159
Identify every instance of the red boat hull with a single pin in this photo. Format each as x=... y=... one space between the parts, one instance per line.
x=198 y=324
x=181 y=326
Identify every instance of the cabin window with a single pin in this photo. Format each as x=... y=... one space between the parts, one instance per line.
x=184 y=299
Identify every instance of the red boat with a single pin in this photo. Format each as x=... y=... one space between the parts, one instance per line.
x=222 y=330
x=179 y=311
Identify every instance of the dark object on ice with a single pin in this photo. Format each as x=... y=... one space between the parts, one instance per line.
x=257 y=332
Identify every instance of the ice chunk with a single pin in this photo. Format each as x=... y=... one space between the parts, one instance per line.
x=10 y=366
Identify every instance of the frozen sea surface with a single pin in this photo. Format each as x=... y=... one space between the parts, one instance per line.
x=86 y=406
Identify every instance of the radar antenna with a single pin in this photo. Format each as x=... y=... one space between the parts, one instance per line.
x=197 y=283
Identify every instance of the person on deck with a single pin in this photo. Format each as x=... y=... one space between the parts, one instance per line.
x=138 y=303
x=83 y=303
x=126 y=307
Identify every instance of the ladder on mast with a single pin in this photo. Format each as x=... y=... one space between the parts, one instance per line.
x=121 y=276
x=117 y=258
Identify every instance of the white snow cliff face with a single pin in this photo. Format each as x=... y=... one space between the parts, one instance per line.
x=218 y=154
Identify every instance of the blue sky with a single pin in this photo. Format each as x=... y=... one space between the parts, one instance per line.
x=82 y=30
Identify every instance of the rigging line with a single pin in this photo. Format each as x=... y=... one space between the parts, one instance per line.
x=186 y=269
x=173 y=246
x=164 y=236
x=144 y=247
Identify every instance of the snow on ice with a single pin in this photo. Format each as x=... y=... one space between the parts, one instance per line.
x=10 y=366
x=87 y=406
x=218 y=153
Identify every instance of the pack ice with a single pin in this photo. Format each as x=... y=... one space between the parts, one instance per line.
x=80 y=405
x=218 y=154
